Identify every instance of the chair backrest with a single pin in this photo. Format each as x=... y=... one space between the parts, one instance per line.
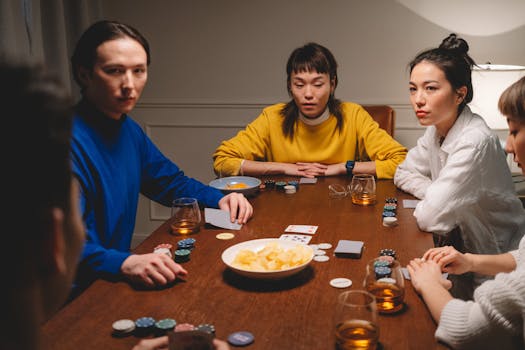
x=384 y=115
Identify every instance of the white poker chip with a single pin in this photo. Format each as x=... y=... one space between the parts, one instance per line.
x=386 y=280
x=321 y=258
x=124 y=326
x=225 y=236
x=325 y=246
x=389 y=221
x=319 y=252
x=341 y=282
x=314 y=246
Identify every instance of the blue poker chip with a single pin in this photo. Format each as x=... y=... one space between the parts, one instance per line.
x=241 y=338
x=387 y=214
x=144 y=322
x=382 y=271
x=188 y=241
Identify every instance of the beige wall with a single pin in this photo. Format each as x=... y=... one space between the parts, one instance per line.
x=217 y=63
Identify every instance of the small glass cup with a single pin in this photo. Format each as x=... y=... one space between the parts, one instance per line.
x=387 y=285
x=363 y=189
x=356 y=321
x=338 y=191
x=186 y=216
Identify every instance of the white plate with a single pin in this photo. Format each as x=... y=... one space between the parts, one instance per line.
x=256 y=245
x=222 y=183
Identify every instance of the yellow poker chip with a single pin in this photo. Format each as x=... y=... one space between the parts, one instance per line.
x=225 y=236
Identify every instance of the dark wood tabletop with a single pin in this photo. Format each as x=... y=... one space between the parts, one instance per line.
x=294 y=313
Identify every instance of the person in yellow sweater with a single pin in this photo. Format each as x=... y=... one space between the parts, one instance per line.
x=314 y=134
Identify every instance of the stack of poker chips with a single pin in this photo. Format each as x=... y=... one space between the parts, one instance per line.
x=162 y=327
x=279 y=185
x=184 y=248
x=389 y=212
x=295 y=184
x=122 y=328
x=164 y=248
x=144 y=326
x=206 y=327
x=383 y=264
x=269 y=184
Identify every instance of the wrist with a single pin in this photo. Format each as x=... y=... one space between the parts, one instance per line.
x=349 y=166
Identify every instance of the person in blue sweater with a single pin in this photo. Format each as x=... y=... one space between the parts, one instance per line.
x=114 y=160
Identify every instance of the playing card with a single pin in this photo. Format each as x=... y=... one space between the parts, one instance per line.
x=220 y=218
x=310 y=229
x=295 y=238
x=350 y=249
x=404 y=270
x=307 y=180
x=410 y=203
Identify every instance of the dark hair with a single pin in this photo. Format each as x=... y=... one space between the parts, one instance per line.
x=36 y=147
x=512 y=101
x=308 y=58
x=453 y=59
x=98 y=33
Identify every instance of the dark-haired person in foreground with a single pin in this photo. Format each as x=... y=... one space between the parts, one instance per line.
x=43 y=232
x=496 y=317
x=114 y=160
x=314 y=134
x=458 y=168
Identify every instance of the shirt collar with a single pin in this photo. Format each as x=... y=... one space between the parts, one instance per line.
x=316 y=121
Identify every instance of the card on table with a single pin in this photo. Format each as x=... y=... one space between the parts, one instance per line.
x=310 y=229
x=349 y=249
x=410 y=203
x=307 y=180
x=295 y=238
x=220 y=218
x=404 y=270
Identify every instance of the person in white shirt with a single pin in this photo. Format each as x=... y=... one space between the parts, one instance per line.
x=458 y=169
x=495 y=319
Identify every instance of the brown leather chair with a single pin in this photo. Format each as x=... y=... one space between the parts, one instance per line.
x=384 y=115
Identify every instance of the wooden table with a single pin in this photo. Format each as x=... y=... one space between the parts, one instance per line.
x=295 y=313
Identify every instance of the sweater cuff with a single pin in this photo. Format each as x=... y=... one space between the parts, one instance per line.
x=113 y=262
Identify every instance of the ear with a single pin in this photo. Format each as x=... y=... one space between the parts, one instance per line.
x=83 y=75
x=54 y=251
x=462 y=93
x=333 y=84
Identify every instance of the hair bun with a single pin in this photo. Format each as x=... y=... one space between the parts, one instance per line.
x=455 y=44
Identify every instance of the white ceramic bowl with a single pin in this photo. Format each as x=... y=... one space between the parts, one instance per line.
x=222 y=184
x=256 y=245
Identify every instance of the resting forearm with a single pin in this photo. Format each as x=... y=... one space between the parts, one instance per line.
x=365 y=168
x=436 y=297
x=252 y=167
x=491 y=265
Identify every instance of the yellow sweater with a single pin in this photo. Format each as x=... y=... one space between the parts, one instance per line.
x=263 y=140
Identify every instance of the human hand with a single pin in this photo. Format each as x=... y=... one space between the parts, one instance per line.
x=151 y=269
x=449 y=260
x=309 y=169
x=152 y=344
x=220 y=344
x=238 y=206
x=426 y=274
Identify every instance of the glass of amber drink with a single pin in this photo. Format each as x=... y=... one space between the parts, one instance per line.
x=186 y=216
x=385 y=281
x=363 y=189
x=356 y=321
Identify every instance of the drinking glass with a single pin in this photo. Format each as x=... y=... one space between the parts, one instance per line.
x=356 y=321
x=186 y=216
x=363 y=188
x=387 y=285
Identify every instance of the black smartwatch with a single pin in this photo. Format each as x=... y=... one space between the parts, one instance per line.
x=350 y=167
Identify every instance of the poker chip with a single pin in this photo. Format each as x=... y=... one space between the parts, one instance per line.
x=144 y=325
x=206 y=327
x=325 y=246
x=184 y=327
x=386 y=258
x=319 y=252
x=390 y=207
x=166 y=324
x=269 y=184
x=279 y=185
x=321 y=258
x=388 y=214
x=379 y=263
x=187 y=243
x=241 y=338
x=182 y=255
x=387 y=280
x=225 y=236
x=341 y=282
x=391 y=200
x=314 y=246
x=124 y=326
x=388 y=252
x=294 y=184
x=382 y=272
x=389 y=221
x=290 y=189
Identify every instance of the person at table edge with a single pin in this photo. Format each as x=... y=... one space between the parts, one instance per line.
x=312 y=135
x=114 y=160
